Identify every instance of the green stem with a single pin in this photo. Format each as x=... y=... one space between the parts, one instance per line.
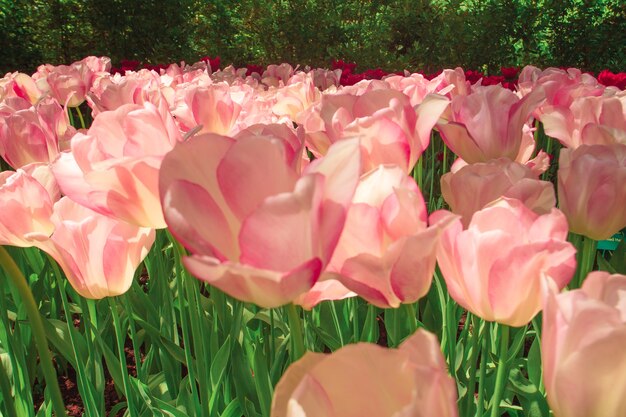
x=5 y=389
x=133 y=336
x=84 y=389
x=480 y=406
x=502 y=373
x=16 y=276
x=120 y=350
x=478 y=334
x=80 y=117
x=335 y=318
x=295 y=326
x=355 y=318
x=588 y=258
x=185 y=328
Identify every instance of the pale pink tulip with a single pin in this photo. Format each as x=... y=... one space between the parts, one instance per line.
x=494 y=267
x=592 y=189
x=70 y=83
x=34 y=134
x=587 y=120
x=25 y=210
x=490 y=123
x=98 y=254
x=391 y=130
x=209 y=107
x=365 y=379
x=21 y=85
x=255 y=228
x=582 y=348
x=113 y=168
x=386 y=253
x=296 y=97
x=474 y=186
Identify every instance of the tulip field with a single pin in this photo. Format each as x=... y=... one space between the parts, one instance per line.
x=191 y=240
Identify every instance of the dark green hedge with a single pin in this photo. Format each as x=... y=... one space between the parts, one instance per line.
x=415 y=34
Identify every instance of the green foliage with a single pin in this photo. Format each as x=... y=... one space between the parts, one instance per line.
x=416 y=34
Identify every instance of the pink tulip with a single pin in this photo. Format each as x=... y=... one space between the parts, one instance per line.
x=210 y=107
x=296 y=97
x=99 y=255
x=34 y=134
x=587 y=120
x=365 y=379
x=494 y=267
x=582 y=348
x=490 y=123
x=474 y=186
x=113 y=169
x=386 y=253
x=70 y=83
x=592 y=189
x=25 y=209
x=20 y=85
x=391 y=130
x=256 y=228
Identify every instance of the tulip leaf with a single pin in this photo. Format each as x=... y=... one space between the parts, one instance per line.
x=534 y=362
x=533 y=403
x=232 y=410
x=219 y=365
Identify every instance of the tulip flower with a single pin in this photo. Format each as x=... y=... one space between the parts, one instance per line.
x=34 y=134
x=25 y=210
x=391 y=130
x=113 y=168
x=592 y=189
x=494 y=267
x=489 y=124
x=98 y=254
x=386 y=253
x=365 y=379
x=587 y=120
x=582 y=348
x=256 y=228
x=210 y=107
x=474 y=186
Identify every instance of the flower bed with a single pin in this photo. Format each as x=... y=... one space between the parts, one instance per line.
x=283 y=242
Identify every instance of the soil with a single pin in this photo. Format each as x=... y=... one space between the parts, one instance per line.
x=69 y=389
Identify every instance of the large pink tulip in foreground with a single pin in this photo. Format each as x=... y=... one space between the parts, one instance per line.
x=256 y=228
x=369 y=380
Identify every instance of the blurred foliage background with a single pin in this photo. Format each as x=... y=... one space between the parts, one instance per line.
x=422 y=35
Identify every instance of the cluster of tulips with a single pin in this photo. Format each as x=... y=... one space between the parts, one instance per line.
x=285 y=187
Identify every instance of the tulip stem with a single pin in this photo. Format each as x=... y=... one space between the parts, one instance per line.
x=480 y=406
x=477 y=336
x=18 y=279
x=295 y=326
x=502 y=373
x=123 y=365
x=80 y=116
x=587 y=259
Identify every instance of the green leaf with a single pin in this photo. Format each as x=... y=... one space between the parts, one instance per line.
x=533 y=403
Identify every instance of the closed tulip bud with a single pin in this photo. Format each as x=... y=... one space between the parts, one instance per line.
x=592 y=189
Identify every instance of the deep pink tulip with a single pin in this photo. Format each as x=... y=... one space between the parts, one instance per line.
x=113 y=168
x=582 y=348
x=490 y=123
x=256 y=228
x=592 y=189
x=474 y=186
x=365 y=379
x=494 y=267
x=386 y=253
x=98 y=254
